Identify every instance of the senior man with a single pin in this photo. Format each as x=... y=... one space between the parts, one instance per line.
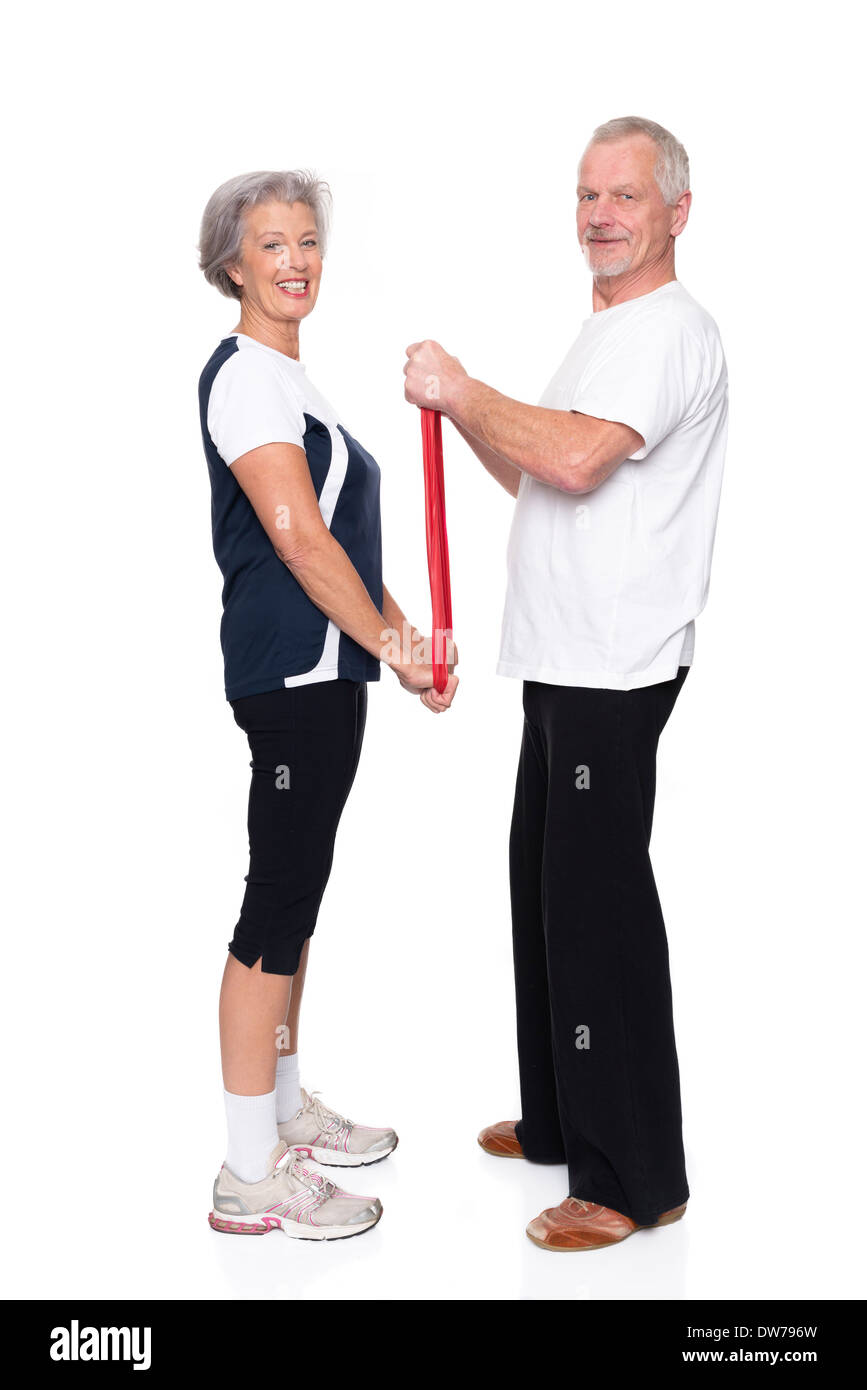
x=617 y=476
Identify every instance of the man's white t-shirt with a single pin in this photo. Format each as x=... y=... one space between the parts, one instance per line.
x=604 y=587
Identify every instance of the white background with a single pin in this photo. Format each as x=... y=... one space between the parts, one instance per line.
x=450 y=134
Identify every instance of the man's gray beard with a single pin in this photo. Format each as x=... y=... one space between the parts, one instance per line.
x=611 y=268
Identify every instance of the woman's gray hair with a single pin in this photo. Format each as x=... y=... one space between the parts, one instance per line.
x=223 y=220
x=672 y=162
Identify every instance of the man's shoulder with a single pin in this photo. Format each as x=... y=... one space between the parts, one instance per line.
x=684 y=309
x=657 y=317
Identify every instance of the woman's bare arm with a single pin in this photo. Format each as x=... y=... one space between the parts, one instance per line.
x=276 y=480
x=397 y=620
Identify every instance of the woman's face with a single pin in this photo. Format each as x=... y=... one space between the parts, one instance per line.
x=280 y=266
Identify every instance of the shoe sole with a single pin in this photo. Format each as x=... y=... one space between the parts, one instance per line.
x=293 y=1229
x=667 y=1220
x=335 y=1158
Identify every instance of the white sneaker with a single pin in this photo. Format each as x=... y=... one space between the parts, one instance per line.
x=329 y=1138
x=292 y=1199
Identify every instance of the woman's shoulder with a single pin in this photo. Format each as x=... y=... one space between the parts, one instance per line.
x=249 y=369
x=245 y=365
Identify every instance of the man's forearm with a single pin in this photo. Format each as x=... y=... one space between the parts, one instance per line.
x=544 y=443
x=506 y=473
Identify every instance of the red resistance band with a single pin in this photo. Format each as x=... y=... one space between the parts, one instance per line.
x=437 y=542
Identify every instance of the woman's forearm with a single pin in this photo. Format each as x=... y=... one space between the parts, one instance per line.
x=397 y=620
x=331 y=581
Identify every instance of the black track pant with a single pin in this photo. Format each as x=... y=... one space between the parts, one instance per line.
x=306 y=742
x=600 y=1088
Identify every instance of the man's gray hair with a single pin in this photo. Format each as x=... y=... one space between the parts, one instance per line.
x=672 y=162
x=223 y=220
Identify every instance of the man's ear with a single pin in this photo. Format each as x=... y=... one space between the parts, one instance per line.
x=683 y=205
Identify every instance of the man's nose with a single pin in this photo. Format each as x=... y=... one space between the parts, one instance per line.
x=602 y=213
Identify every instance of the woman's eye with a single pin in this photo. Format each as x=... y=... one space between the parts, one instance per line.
x=311 y=241
x=271 y=245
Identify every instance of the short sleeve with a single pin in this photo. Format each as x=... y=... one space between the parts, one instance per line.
x=650 y=380
x=252 y=403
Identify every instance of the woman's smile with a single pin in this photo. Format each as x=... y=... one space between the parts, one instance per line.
x=295 y=289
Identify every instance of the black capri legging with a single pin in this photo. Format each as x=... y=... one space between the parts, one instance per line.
x=305 y=742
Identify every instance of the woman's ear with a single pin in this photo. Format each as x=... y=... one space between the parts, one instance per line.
x=234 y=274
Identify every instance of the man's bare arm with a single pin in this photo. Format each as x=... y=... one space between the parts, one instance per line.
x=563 y=448
x=567 y=450
x=506 y=473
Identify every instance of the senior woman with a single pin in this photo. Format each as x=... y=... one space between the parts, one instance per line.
x=306 y=623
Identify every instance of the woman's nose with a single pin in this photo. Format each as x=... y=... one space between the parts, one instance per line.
x=293 y=259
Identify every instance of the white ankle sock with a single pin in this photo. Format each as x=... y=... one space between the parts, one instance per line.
x=252 y=1134
x=288 y=1087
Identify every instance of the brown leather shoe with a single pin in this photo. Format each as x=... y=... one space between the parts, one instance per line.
x=500 y=1139
x=577 y=1225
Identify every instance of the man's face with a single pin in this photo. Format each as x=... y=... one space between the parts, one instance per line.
x=623 y=224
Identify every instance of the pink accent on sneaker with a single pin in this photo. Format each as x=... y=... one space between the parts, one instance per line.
x=241 y=1228
x=331 y=1139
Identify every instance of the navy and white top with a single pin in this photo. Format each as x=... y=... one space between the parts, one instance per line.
x=272 y=634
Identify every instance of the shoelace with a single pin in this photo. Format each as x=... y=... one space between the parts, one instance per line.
x=325 y=1117
x=291 y=1163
